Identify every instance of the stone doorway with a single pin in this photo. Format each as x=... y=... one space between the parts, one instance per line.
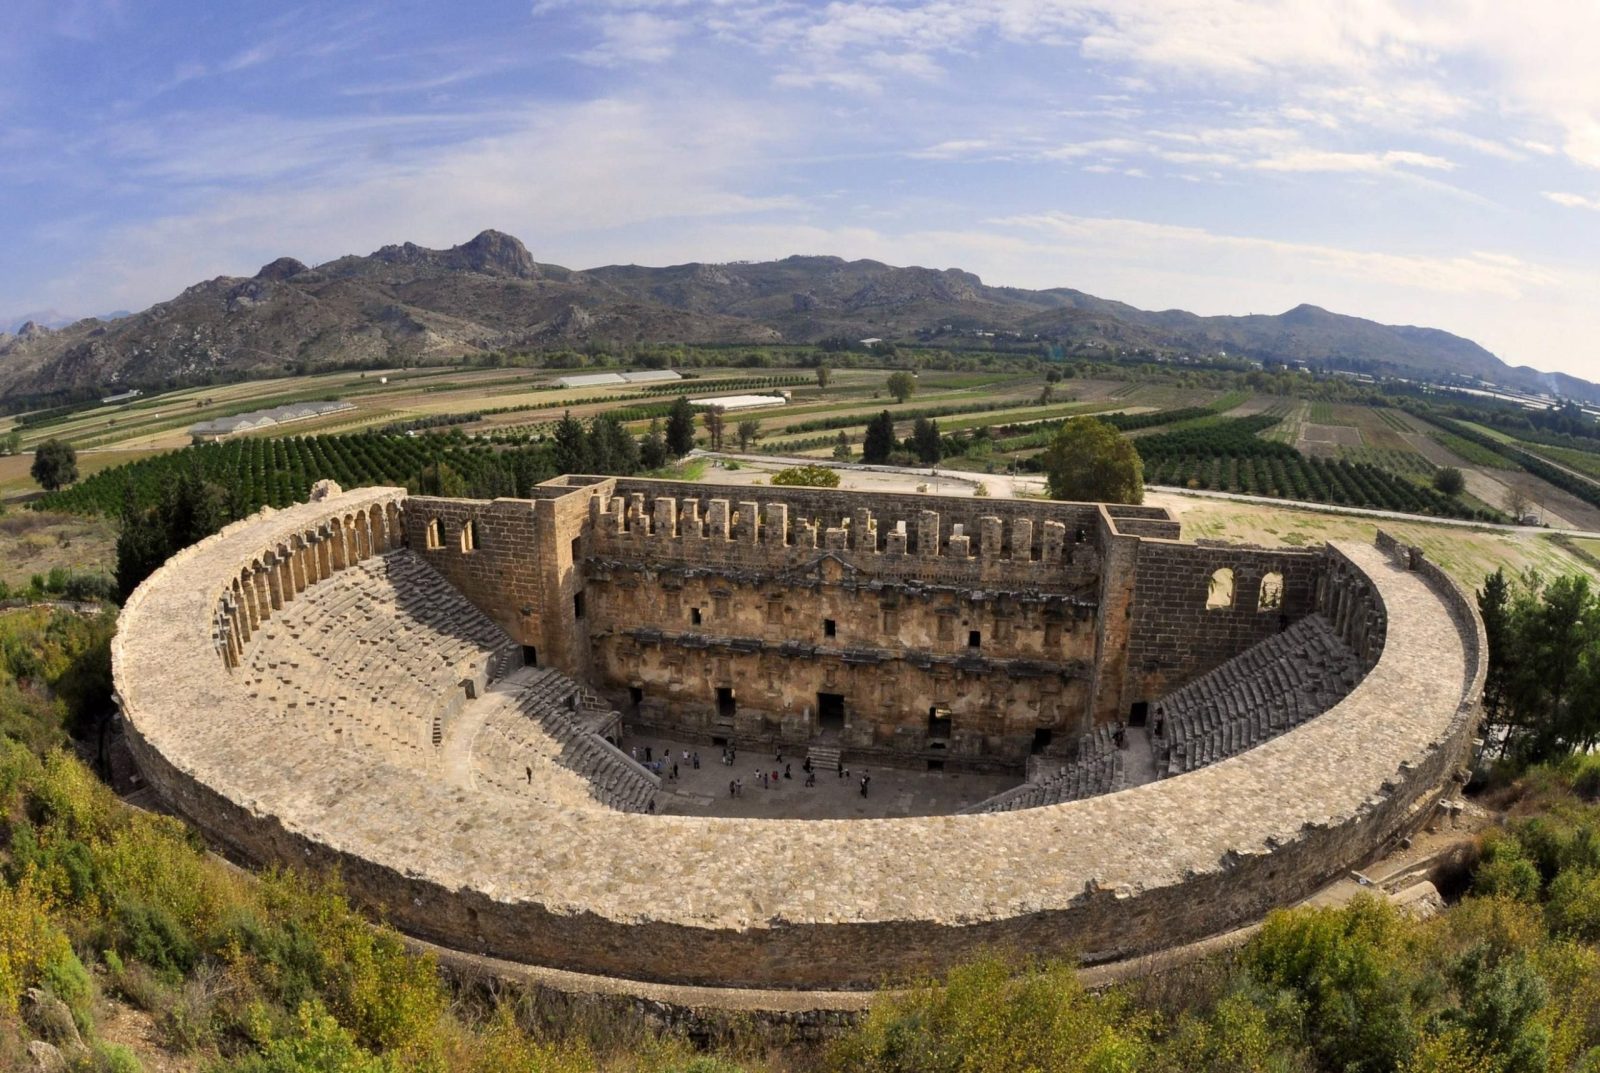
x=830 y=713
x=530 y=656
x=1139 y=713
x=726 y=707
x=938 y=724
x=1041 y=740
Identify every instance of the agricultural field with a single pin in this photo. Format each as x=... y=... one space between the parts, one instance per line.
x=1195 y=432
x=1468 y=554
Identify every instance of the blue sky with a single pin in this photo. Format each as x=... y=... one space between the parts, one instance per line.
x=1433 y=164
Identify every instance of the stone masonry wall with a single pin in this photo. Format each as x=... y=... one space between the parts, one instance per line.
x=502 y=573
x=1174 y=636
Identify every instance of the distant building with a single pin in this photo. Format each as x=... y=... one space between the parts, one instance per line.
x=739 y=402
x=645 y=376
x=223 y=427
x=124 y=397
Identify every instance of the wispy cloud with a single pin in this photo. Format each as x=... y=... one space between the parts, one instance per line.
x=1573 y=201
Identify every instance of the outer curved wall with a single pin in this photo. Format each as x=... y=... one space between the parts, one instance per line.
x=814 y=904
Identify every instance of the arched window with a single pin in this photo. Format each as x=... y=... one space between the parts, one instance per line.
x=1219 y=592
x=1271 y=592
x=435 y=533
x=469 y=536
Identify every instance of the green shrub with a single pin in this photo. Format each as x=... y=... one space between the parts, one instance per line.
x=64 y=976
x=1574 y=905
x=115 y=1058
x=1504 y=871
x=810 y=476
x=153 y=935
x=316 y=1044
x=1354 y=973
x=985 y=1017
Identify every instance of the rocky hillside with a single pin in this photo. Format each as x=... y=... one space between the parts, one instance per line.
x=406 y=303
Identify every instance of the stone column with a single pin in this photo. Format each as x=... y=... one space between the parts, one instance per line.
x=274 y=582
x=666 y=517
x=690 y=526
x=717 y=520
x=261 y=583
x=928 y=534
x=1054 y=538
x=777 y=534
x=1022 y=540
x=297 y=565
x=863 y=533
x=746 y=529
x=990 y=537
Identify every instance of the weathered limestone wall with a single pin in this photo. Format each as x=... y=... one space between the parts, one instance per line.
x=1173 y=636
x=500 y=572
x=881 y=600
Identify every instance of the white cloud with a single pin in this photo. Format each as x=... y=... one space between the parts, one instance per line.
x=634 y=37
x=1573 y=201
x=1327 y=160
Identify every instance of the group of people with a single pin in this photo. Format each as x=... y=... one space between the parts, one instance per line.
x=666 y=766
x=769 y=780
x=663 y=765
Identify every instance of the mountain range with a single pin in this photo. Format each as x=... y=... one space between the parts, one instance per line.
x=406 y=303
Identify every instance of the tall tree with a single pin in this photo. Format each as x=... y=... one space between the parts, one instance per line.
x=1091 y=462
x=1494 y=607
x=716 y=425
x=573 y=454
x=653 y=451
x=901 y=385
x=55 y=464
x=824 y=374
x=880 y=441
x=611 y=448
x=926 y=442
x=680 y=427
x=190 y=509
x=748 y=432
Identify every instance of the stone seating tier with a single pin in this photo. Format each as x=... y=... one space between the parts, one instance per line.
x=1264 y=691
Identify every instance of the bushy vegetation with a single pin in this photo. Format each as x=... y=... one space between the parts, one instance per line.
x=1542 y=689
x=808 y=476
x=1088 y=461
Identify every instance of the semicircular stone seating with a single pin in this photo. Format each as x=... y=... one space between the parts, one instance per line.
x=388 y=655
x=1270 y=688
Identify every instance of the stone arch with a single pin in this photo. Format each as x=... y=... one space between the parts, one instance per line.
x=379 y=528
x=435 y=538
x=1271 y=597
x=469 y=535
x=1219 y=590
x=397 y=528
x=246 y=613
x=363 y=537
x=321 y=547
x=339 y=547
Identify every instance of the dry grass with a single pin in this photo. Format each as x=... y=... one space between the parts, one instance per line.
x=35 y=543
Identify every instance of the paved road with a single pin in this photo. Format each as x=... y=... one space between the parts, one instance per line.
x=1003 y=486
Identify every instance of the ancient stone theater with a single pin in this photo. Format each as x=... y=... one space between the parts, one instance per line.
x=436 y=698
